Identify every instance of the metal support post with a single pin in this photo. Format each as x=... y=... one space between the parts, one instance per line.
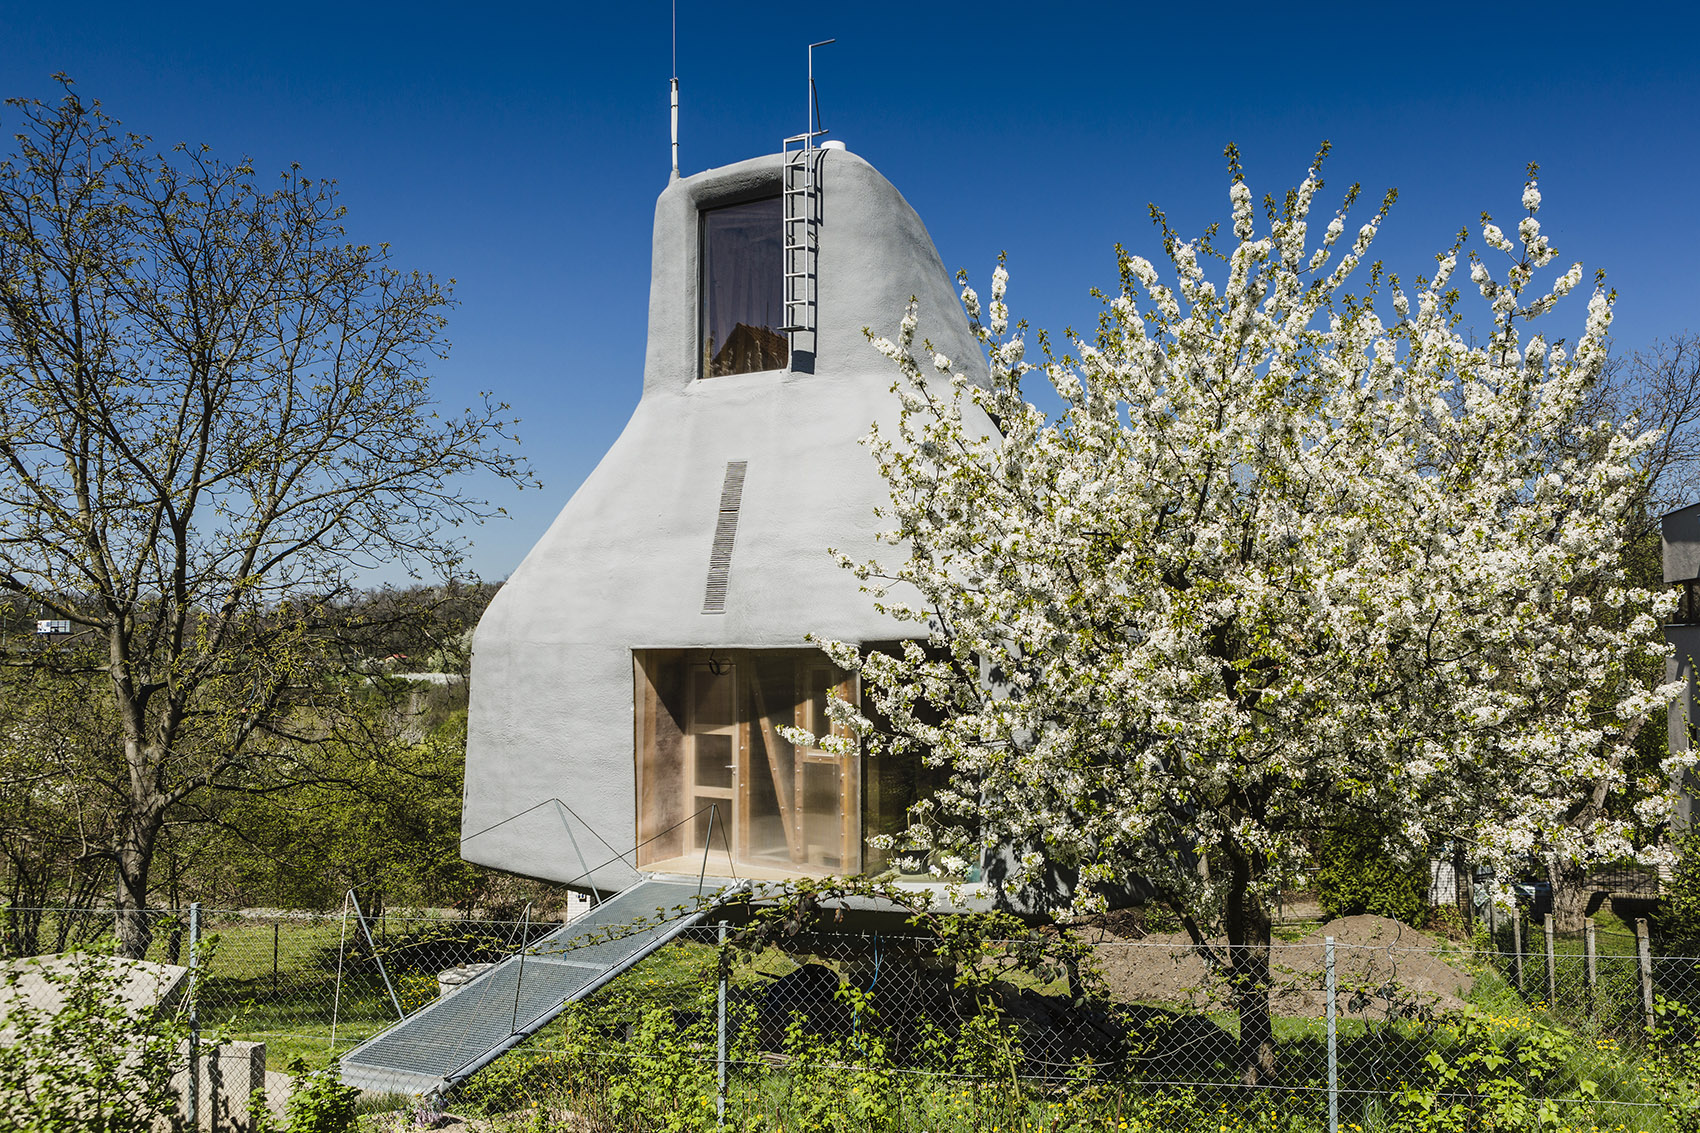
x=1552 y=963
x=193 y=1106
x=1644 y=951
x=1590 y=949
x=707 y=841
x=1517 y=945
x=378 y=955
x=720 y=1028
x=1333 y=1050
x=341 y=951
x=524 y=947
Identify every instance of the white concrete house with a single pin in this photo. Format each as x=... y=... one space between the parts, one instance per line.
x=629 y=681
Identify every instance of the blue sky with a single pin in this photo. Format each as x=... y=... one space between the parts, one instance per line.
x=519 y=150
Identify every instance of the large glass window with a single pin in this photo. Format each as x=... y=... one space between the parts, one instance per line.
x=714 y=774
x=742 y=289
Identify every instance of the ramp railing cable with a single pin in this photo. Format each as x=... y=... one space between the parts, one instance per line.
x=628 y=857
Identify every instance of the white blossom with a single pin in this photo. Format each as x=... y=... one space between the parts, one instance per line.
x=1270 y=549
x=1494 y=238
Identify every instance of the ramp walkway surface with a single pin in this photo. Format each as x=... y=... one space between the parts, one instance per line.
x=452 y=1037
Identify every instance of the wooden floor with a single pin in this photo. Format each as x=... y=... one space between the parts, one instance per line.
x=721 y=865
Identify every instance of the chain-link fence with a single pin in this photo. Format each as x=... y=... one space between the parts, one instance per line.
x=825 y=1027
x=836 y=1029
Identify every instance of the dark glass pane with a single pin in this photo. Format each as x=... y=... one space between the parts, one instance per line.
x=714 y=761
x=713 y=693
x=742 y=289
x=822 y=811
x=708 y=823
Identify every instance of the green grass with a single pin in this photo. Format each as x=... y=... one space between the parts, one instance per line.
x=289 y=1007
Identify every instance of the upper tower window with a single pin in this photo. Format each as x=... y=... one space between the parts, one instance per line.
x=741 y=289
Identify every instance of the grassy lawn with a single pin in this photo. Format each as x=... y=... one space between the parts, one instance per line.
x=276 y=982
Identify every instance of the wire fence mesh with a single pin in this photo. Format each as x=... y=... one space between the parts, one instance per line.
x=865 y=1030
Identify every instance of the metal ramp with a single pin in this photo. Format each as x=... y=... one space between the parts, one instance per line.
x=454 y=1036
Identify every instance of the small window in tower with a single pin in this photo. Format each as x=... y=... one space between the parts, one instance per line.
x=742 y=285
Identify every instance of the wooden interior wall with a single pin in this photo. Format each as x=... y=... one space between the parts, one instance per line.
x=672 y=733
x=658 y=744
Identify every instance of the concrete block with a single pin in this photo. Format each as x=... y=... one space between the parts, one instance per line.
x=451 y=980
x=40 y=982
x=226 y=1075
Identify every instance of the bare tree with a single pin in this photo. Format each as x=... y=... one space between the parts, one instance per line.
x=1662 y=386
x=214 y=411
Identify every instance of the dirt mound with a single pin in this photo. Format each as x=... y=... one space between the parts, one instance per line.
x=1382 y=969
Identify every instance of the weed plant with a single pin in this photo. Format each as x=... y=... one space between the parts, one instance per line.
x=642 y=1059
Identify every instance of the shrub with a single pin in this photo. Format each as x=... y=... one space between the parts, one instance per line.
x=96 y=1062
x=319 y=1102
x=1678 y=920
x=1359 y=876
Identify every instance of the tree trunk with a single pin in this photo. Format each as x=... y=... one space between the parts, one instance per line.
x=1464 y=883
x=134 y=860
x=1570 y=894
x=1247 y=925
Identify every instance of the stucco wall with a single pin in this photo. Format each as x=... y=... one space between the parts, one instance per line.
x=624 y=565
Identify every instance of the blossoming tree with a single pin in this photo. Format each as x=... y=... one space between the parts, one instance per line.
x=1286 y=554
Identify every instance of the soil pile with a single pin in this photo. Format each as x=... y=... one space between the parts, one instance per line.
x=1383 y=969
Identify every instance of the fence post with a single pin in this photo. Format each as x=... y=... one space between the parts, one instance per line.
x=1517 y=946
x=1644 y=948
x=193 y=1105
x=274 y=959
x=1590 y=949
x=720 y=1028
x=1552 y=971
x=1333 y=1056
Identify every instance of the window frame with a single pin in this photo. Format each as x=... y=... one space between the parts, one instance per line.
x=703 y=360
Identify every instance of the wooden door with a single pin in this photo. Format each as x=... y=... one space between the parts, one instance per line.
x=711 y=754
x=828 y=802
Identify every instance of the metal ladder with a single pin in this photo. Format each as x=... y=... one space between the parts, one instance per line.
x=800 y=192
x=801 y=196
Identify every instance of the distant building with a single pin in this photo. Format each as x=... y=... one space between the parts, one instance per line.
x=1680 y=531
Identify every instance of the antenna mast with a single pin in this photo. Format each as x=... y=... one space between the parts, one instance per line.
x=675 y=90
x=812 y=117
